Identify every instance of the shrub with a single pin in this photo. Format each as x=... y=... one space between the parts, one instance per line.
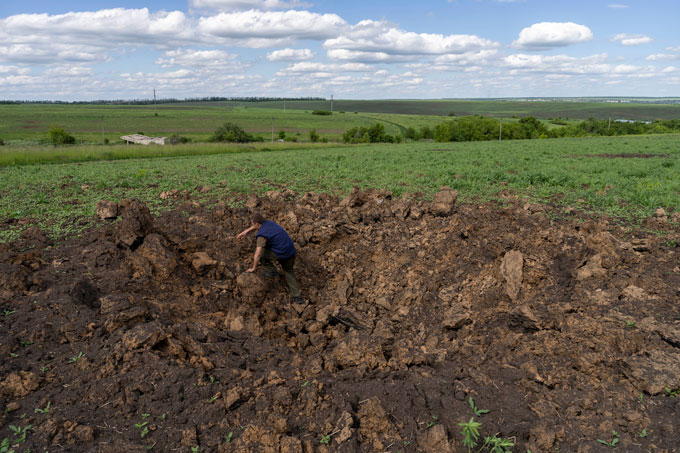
x=2 y=142
x=321 y=112
x=282 y=135
x=231 y=133
x=313 y=136
x=177 y=139
x=58 y=136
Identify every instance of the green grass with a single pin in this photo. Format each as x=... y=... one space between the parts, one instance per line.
x=581 y=110
x=61 y=198
x=29 y=123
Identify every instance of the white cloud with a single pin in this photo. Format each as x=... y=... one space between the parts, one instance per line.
x=88 y=36
x=379 y=41
x=468 y=58
x=281 y=25
x=197 y=58
x=309 y=67
x=290 y=55
x=236 y=5
x=669 y=69
x=673 y=49
x=367 y=57
x=548 y=35
x=617 y=6
x=632 y=40
x=662 y=57
x=13 y=70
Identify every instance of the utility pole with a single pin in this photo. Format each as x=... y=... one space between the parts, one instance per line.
x=102 y=130
x=331 y=103
x=284 y=106
x=154 y=103
x=272 y=129
x=610 y=124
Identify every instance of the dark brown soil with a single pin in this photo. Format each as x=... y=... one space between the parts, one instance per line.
x=146 y=333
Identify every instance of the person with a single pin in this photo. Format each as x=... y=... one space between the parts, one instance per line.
x=273 y=243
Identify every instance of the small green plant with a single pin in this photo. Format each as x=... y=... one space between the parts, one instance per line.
x=163 y=417
x=144 y=431
x=671 y=393
x=145 y=416
x=641 y=398
x=643 y=433
x=613 y=442
x=8 y=312
x=44 y=411
x=630 y=324
x=212 y=379
x=432 y=422
x=228 y=437
x=74 y=359
x=304 y=384
x=470 y=431
x=195 y=449
x=325 y=439
x=4 y=446
x=26 y=343
x=497 y=444
x=477 y=412
x=214 y=398
x=13 y=355
x=140 y=425
x=19 y=433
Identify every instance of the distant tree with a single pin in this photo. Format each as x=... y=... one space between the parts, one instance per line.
x=321 y=112
x=231 y=133
x=282 y=134
x=2 y=142
x=410 y=133
x=58 y=136
x=313 y=136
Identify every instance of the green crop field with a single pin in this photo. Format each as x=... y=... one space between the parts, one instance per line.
x=627 y=177
x=29 y=123
x=572 y=109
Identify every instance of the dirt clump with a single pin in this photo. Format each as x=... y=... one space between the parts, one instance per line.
x=148 y=332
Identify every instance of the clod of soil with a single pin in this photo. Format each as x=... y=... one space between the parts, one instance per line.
x=148 y=333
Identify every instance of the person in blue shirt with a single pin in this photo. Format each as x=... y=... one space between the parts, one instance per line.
x=273 y=243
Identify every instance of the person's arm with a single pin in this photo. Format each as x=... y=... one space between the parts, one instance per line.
x=256 y=259
x=243 y=233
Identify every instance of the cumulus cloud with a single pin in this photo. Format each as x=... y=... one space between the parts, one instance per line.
x=562 y=64
x=197 y=58
x=632 y=40
x=548 y=35
x=662 y=57
x=279 y=25
x=673 y=49
x=367 y=57
x=13 y=70
x=379 y=41
x=290 y=55
x=309 y=67
x=236 y=5
x=88 y=36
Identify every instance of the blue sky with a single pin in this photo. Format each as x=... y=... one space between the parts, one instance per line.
x=100 y=49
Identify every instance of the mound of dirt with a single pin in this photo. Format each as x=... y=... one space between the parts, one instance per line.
x=147 y=333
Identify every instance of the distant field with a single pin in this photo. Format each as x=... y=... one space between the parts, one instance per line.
x=31 y=122
x=623 y=176
x=495 y=108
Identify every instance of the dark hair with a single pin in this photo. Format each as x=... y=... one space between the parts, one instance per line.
x=257 y=218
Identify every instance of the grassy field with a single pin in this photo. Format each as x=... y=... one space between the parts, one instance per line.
x=495 y=108
x=61 y=197
x=29 y=123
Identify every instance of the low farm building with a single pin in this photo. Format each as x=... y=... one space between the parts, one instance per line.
x=140 y=139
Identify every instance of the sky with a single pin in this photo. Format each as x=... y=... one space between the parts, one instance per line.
x=74 y=50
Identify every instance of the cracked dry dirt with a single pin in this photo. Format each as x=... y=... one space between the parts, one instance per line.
x=146 y=333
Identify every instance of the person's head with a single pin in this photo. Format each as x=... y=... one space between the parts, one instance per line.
x=258 y=219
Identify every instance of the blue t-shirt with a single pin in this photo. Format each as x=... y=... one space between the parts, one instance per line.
x=278 y=240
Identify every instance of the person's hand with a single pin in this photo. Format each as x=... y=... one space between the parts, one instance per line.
x=242 y=234
x=252 y=269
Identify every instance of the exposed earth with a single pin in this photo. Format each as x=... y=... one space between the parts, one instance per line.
x=146 y=334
